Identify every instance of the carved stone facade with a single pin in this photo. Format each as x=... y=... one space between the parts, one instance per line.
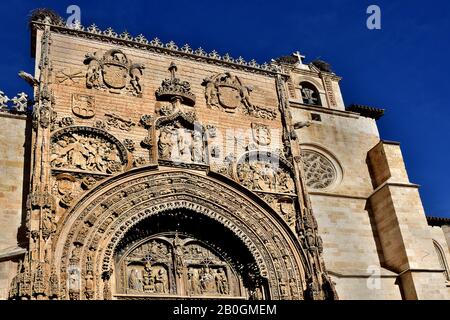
x=159 y=171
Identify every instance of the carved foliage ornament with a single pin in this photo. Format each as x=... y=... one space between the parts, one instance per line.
x=114 y=72
x=225 y=91
x=87 y=150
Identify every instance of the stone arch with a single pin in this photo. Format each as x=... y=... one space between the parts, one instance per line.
x=440 y=253
x=89 y=231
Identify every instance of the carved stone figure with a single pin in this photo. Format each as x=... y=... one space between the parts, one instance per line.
x=207 y=283
x=161 y=281
x=166 y=142
x=134 y=281
x=221 y=282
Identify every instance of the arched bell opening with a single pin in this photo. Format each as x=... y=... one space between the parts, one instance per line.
x=183 y=254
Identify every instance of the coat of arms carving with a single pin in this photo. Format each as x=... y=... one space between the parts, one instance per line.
x=114 y=72
x=225 y=91
x=261 y=134
x=83 y=106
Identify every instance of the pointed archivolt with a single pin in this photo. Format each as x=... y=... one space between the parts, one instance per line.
x=107 y=220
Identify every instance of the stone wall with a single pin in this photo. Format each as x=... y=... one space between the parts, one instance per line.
x=12 y=185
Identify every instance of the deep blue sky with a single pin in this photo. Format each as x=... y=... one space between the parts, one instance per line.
x=402 y=67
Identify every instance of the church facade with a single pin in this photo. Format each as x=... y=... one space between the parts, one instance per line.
x=144 y=170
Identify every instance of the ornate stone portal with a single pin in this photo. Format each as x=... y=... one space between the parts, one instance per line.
x=111 y=218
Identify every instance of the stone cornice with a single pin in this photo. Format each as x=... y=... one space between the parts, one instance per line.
x=300 y=105
x=366 y=111
x=156 y=46
x=438 y=221
x=394 y=184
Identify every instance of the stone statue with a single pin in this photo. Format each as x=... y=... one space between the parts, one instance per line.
x=134 y=283
x=207 y=283
x=161 y=281
x=197 y=147
x=221 y=282
x=166 y=142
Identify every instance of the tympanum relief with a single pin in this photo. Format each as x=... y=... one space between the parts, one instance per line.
x=78 y=151
x=80 y=157
x=169 y=265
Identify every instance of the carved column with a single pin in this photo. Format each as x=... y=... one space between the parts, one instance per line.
x=306 y=225
x=40 y=204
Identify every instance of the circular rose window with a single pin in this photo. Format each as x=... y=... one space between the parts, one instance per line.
x=320 y=172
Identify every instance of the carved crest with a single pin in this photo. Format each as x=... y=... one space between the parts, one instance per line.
x=226 y=92
x=229 y=97
x=83 y=106
x=261 y=134
x=114 y=72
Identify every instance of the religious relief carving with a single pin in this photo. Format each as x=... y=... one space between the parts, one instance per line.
x=179 y=144
x=168 y=264
x=88 y=150
x=320 y=172
x=261 y=171
x=181 y=139
x=226 y=92
x=114 y=72
x=261 y=134
x=83 y=106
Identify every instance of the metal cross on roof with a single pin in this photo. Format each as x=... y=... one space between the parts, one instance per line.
x=299 y=56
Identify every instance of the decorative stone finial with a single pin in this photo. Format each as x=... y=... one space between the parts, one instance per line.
x=174 y=88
